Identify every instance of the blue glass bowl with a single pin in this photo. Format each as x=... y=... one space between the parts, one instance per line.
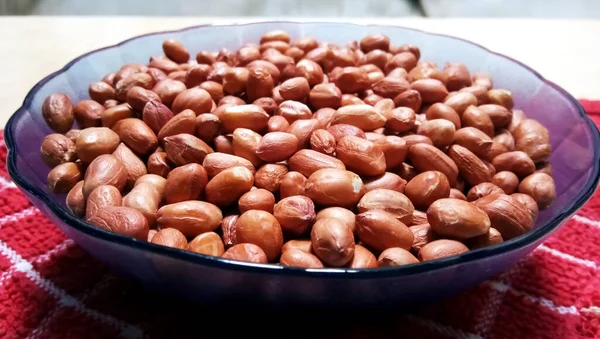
x=575 y=160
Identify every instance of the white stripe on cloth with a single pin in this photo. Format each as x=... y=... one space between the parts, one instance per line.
x=5 y=183
x=503 y=287
x=39 y=332
x=31 y=210
x=587 y=221
x=592 y=309
x=567 y=257
x=63 y=298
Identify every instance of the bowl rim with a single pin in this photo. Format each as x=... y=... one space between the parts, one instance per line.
x=345 y=273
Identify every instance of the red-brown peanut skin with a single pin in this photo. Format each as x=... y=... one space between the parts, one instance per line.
x=183 y=149
x=229 y=185
x=344 y=215
x=95 y=141
x=499 y=115
x=151 y=234
x=482 y=190
x=277 y=146
x=426 y=188
x=76 y=201
x=394 y=150
x=401 y=119
x=175 y=51
x=507 y=181
x=294 y=89
x=134 y=166
x=303 y=130
x=361 y=156
x=457 y=219
x=474 y=117
x=277 y=123
x=136 y=135
x=423 y=235
x=303 y=245
x=190 y=217
x=342 y=130
x=170 y=237
x=308 y=161
x=215 y=163
x=252 y=117
x=325 y=116
x=245 y=142
x=429 y=158
x=295 y=214
x=443 y=111
x=322 y=142
x=168 y=89
x=387 y=180
x=292 y=184
x=334 y=187
x=57 y=111
x=441 y=248
x=507 y=214
x=325 y=96
x=332 y=242
x=381 y=230
x=297 y=258
x=517 y=162
x=474 y=140
x=104 y=170
x=146 y=198
x=440 y=131
x=62 y=178
x=539 y=186
x=363 y=258
x=88 y=113
x=528 y=202
x=184 y=122
x=156 y=181
x=247 y=253
x=208 y=243
x=100 y=198
x=460 y=101
x=185 y=183
x=533 y=138
x=395 y=256
x=492 y=237
x=365 y=117
x=257 y=199
x=262 y=229
x=395 y=203
x=293 y=110
x=431 y=90
x=471 y=168
x=195 y=99
x=123 y=220
x=269 y=176
x=457 y=194
x=57 y=149
x=419 y=218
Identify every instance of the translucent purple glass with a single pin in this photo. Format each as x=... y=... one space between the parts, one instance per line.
x=575 y=161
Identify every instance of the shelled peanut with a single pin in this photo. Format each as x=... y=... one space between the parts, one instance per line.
x=302 y=153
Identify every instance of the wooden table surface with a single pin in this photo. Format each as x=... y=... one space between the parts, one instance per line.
x=563 y=51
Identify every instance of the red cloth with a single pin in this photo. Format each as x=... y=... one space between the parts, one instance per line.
x=50 y=288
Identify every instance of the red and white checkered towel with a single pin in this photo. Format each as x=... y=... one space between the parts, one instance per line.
x=50 y=288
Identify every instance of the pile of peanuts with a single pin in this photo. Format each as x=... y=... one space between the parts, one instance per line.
x=303 y=153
